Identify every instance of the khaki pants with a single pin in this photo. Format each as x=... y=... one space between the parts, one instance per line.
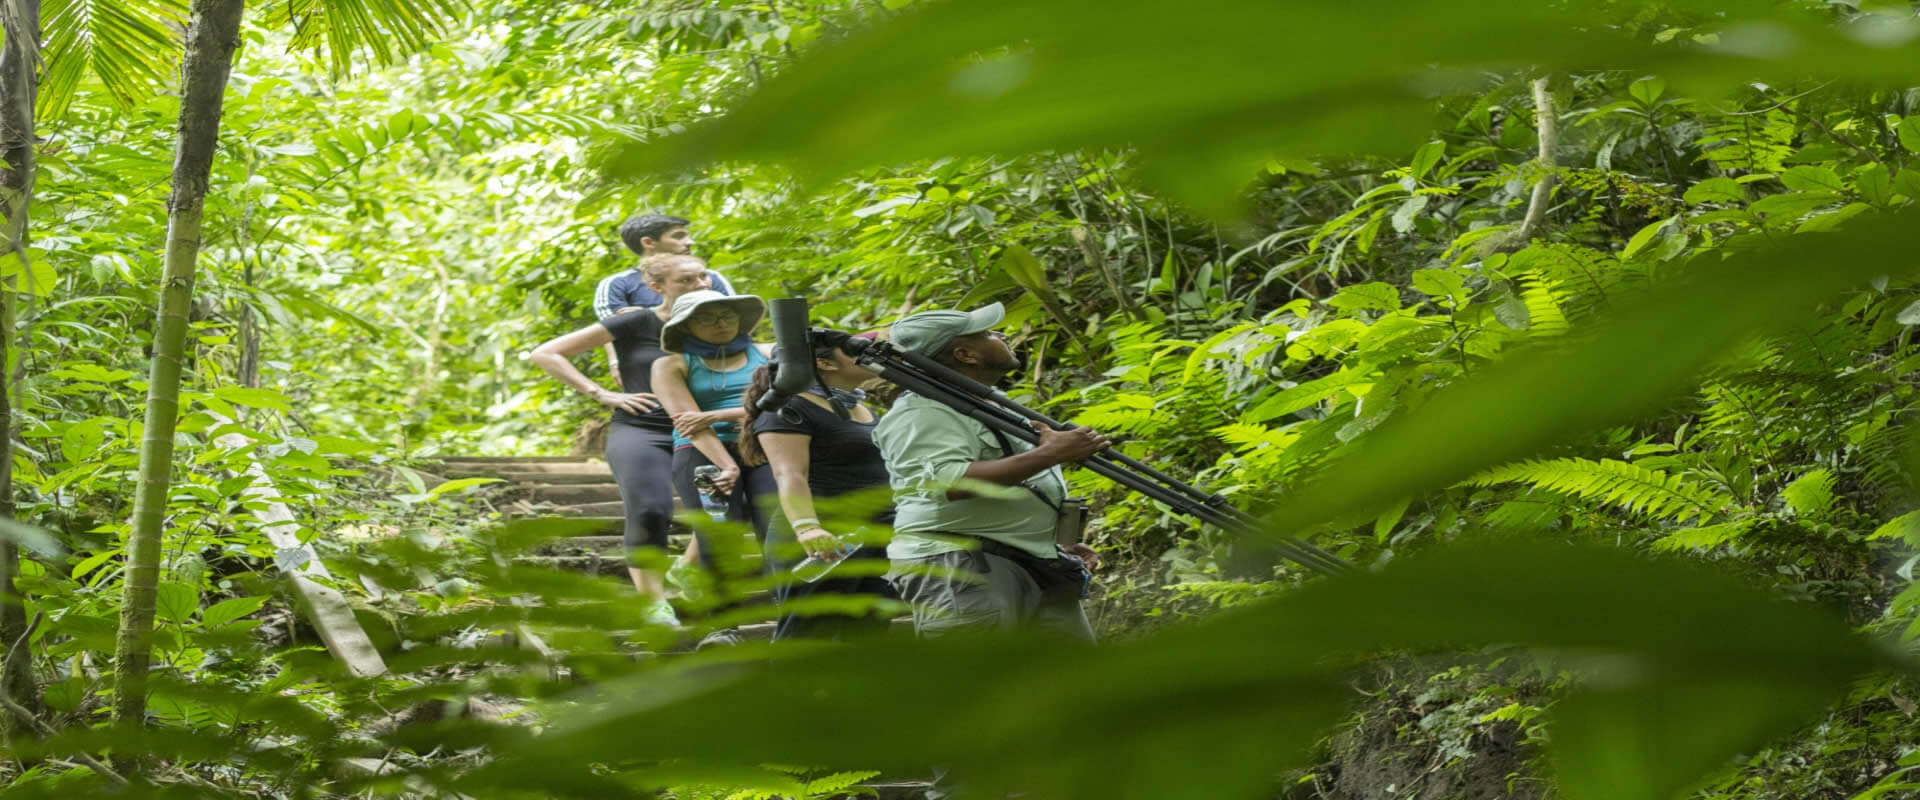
x=974 y=589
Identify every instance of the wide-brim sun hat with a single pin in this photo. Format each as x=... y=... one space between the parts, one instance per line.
x=674 y=334
x=928 y=332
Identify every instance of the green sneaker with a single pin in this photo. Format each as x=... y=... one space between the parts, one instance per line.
x=685 y=577
x=661 y=613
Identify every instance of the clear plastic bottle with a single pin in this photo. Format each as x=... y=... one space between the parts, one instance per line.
x=710 y=499
x=813 y=568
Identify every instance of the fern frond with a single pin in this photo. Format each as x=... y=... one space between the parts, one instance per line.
x=1544 y=303
x=1810 y=495
x=1524 y=515
x=1651 y=493
x=1703 y=538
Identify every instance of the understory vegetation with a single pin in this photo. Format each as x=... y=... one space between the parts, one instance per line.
x=1585 y=332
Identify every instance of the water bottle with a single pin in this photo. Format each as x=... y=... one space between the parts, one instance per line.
x=710 y=499
x=813 y=568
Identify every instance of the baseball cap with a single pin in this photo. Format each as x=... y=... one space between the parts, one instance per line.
x=929 y=331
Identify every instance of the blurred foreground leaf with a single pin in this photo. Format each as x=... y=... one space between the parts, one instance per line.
x=1208 y=90
x=1216 y=709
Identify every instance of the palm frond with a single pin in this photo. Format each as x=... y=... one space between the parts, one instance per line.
x=1650 y=493
x=130 y=46
x=384 y=30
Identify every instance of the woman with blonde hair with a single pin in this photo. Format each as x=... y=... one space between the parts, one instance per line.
x=640 y=436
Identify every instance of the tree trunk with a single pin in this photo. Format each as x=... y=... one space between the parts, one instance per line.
x=211 y=40
x=19 y=88
x=1547 y=124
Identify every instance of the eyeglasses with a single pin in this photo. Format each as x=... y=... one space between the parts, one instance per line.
x=714 y=317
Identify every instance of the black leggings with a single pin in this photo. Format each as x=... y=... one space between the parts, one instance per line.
x=642 y=464
x=754 y=495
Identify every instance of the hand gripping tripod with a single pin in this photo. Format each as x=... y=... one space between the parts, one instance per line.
x=990 y=407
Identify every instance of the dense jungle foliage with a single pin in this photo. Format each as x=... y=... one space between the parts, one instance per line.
x=1584 y=330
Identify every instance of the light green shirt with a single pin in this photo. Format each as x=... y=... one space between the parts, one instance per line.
x=928 y=448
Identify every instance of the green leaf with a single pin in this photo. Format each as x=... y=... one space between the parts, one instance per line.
x=1647 y=90
x=1809 y=178
x=1907 y=182
x=227 y=611
x=1645 y=237
x=1428 y=155
x=1875 y=184
x=33 y=538
x=1069 y=75
x=176 y=602
x=1263 y=682
x=39 y=280
x=1025 y=270
x=1304 y=395
x=1716 y=190
x=1373 y=296
x=458 y=485
x=1792 y=205
x=1612 y=370
x=1910 y=134
x=1440 y=284
x=256 y=398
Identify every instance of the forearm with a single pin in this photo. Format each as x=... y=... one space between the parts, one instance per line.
x=796 y=500
x=1012 y=470
x=715 y=450
x=562 y=370
x=737 y=416
x=613 y=367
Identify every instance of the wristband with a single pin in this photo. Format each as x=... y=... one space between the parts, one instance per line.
x=809 y=522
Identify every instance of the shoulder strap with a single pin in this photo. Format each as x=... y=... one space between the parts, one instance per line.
x=1006 y=451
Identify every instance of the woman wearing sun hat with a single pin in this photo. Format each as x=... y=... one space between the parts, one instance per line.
x=709 y=337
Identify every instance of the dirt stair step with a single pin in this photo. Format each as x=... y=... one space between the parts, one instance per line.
x=468 y=468
x=552 y=478
x=610 y=544
x=598 y=563
x=614 y=509
x=513 y=460
x=566 y=494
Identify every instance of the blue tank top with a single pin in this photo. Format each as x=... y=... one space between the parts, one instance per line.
x=716 y=391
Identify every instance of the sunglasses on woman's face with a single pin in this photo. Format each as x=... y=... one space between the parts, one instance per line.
x=714 y=318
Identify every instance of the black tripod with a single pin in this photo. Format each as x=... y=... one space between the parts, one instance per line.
x=990 y=407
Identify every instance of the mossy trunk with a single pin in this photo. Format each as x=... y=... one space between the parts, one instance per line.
x=211 y=40
x=18 y=91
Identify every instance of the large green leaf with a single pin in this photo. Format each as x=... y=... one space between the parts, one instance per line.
x=131 y=46
x=1207 y=90
x=1214 y=709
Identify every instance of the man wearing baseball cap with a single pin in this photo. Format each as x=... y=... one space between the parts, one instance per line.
x=974 y=510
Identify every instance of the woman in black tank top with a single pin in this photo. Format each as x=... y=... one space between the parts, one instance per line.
x=820 y=446
x=640 y=436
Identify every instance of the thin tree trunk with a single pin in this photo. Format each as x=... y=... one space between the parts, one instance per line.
x=19 y=58
x=1547 y=123
x=211 y=41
